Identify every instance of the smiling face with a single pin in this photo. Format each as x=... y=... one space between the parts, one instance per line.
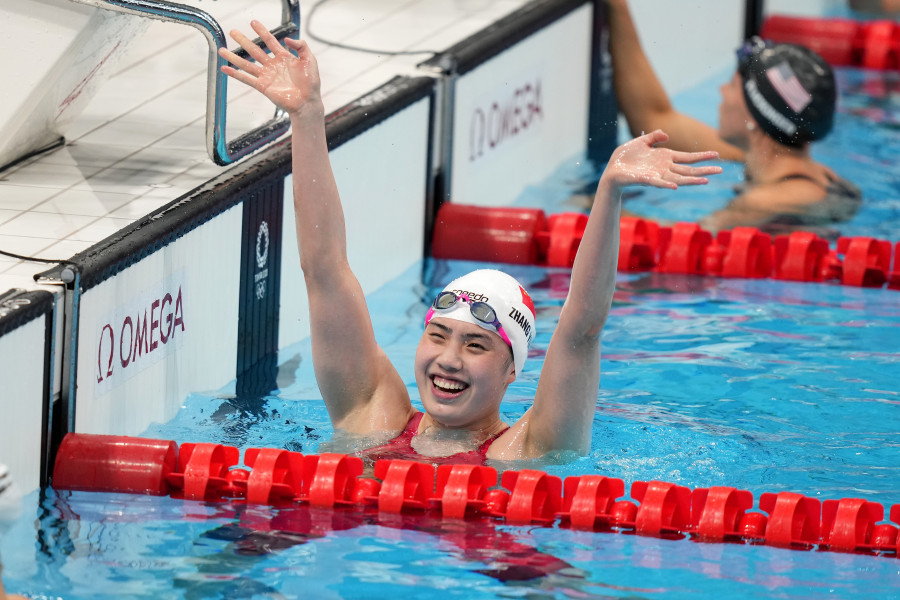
x=462 y=372
x=733 y=113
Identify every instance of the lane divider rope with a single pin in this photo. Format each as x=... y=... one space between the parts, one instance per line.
x=211 y=472
x=529 y=236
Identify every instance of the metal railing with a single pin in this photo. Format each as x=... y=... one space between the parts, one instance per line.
x=220 y=149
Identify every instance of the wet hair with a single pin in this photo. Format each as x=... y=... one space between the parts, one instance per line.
x=790 y=90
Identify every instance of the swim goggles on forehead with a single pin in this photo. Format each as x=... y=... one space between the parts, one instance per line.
x=750 y=50
x=482 y=311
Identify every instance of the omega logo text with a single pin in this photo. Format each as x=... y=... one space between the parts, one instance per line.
x=503 y=119
x=151 y=328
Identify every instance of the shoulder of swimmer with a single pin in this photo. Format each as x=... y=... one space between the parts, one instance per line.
x=517 y=442
x=787 y=191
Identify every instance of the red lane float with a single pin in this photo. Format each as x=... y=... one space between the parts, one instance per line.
x=334 y=480
x=482 y=233
x=565 y=233
x=203 y=471
x=534 y=497
x=867 y=261
x=894 y=276
x=850 y=524
x=841 y=42
x=405 y=484
x=111 y=463
x=877 y=45
x=590 y=502
x=277 y=475
x=718 y=511
x=835 y=40
x=747 y=252
x=460 y=489
x=794 y=519
x=801 y=257
x=638 y=244
x=684 y=248
x=664 y=507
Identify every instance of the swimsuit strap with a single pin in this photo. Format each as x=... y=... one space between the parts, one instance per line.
x=400 y=447
x=483 y=448
x=795 y=176
x=803 y=176
x=412 y=426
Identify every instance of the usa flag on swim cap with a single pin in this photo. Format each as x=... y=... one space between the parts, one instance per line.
x=785 y=82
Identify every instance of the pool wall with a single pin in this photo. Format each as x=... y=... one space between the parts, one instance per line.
x=206 y=289
x=512 y=112
x=27 y=334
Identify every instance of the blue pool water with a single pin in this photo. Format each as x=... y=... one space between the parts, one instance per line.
x=762 y=385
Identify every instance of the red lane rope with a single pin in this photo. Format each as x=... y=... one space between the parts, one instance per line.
x=528 y=236
x=841 y=42
x=590 y=502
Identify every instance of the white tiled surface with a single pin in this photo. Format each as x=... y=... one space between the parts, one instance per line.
x=140 y=143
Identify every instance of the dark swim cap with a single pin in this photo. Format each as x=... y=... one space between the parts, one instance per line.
x=789 y=89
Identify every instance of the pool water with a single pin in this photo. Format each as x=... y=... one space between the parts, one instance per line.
x=761 y=385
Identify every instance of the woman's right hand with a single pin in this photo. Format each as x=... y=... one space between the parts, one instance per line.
x=291 y=82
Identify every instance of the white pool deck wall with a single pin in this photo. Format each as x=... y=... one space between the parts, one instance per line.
x=214 y=277
x=516 y=109
x=28 y=337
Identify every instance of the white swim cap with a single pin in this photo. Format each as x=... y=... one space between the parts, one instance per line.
x=512 y=305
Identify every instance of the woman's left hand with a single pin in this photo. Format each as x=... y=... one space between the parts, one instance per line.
x=639 y=162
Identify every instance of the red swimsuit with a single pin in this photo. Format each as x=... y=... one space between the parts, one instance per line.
x=400 y=448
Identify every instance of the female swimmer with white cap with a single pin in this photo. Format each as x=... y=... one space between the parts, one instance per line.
x=478 y=329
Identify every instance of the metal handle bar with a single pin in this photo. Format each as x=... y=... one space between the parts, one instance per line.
x=222 y=152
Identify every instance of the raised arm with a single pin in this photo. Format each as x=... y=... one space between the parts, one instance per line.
x=564 y=404
x=642 y=98
x=362 y=390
